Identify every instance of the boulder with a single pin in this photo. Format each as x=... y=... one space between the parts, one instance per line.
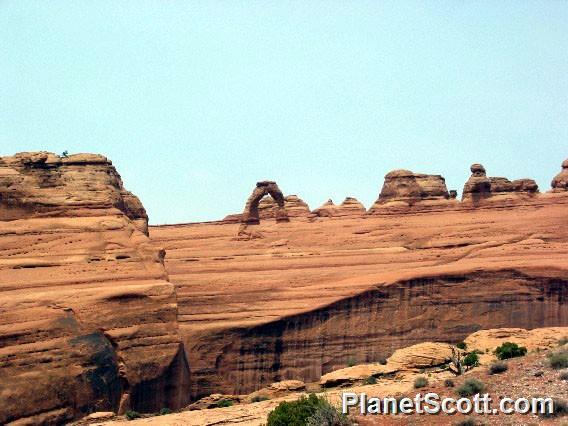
x=213 y=401
x=357 y=373
x=421 y=355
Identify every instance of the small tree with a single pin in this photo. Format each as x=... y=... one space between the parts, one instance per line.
x=65 y=154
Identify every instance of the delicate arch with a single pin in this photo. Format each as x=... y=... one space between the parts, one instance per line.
x=250 y=214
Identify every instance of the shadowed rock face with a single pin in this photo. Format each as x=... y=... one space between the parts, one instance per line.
x=88 y=320
x=560 y=181
x=478 y=185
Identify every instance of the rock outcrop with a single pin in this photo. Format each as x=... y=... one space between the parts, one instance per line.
x=311 y=295
x=42 y=184
x=350 y=207
x=88 y=320
x=268 y=209
x=560 y=181
x=482 y=189
x=404 y=189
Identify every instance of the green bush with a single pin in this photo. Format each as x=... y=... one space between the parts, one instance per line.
x=563 y=341
x=297 y=413
x=371 y=380
x=225 y=403
x=449 y=383
x=420 y=382
x=498 y=368
x=131 y=415
x=165 y=411
x=351 y=362
x=383 y=361
x=327 y=415
x=559 y=408
x=470 y=387
x=462 y=346
x=471 y=360
x=559 y=360
x=510 y=350
x=259 y=398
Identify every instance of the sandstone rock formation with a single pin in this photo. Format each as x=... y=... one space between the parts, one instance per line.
x=42 y=184
x=360 y=289
x=560 y=181
x=350 y=207
x=403 y=189
x=88 y=320
x=251 y=211
x=480 y=188
x=268 y=208
x=478 y=185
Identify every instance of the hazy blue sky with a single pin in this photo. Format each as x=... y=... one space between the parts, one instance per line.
x=196 y=101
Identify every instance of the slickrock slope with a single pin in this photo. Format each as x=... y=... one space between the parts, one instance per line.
x=88 y=320
x=306 y=297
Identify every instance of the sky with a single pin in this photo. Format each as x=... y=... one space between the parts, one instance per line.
x=196 y=101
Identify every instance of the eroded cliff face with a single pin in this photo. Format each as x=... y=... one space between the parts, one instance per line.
x=308 y=296
x=372 y=325
x=88 y=320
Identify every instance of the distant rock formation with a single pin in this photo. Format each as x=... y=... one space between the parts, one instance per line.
x=560 y=181
x=42 y=184
x=349 y=207
x=481 y=188
x=267 y=209
x=403 y=189
x=251 y=213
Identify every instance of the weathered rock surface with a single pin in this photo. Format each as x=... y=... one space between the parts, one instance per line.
x=350 y=207
x=251 y=213
x=265 y=311
x=538 y=339
x=403 y=189
x=213 y=401
x=560 y=181
x=480 y=189
x=87 y=316
x=276 y=390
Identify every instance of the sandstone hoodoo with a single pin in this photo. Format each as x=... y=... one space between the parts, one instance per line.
x=560 y=181
x=88 y=320
x=478 y=185
x=251 y=212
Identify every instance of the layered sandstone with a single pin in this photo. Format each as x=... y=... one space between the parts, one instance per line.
x=350 y=207
x=88 y=320
x=309 y=296
x=481 y=189
x=403 y=189
x=560 y=181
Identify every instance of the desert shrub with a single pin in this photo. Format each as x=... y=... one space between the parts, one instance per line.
x=462 y=345
x=559 y=408
x=351 y=362
x=449 y=383
x=420 y=382
x=299 y=412
x=498 y=368
x=563 y=341
x=564 y=375
x=131 y=415
x=382 y=361
x=558 y=360
x=327 y=415
x=466 y=422
x=510 y=350
x=471 y=360
x=225 y=403
x=259 y=398
x=371 y=380
x=470 y=387
x=165 y=411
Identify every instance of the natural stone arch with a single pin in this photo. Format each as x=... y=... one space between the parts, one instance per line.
x=250 y=214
